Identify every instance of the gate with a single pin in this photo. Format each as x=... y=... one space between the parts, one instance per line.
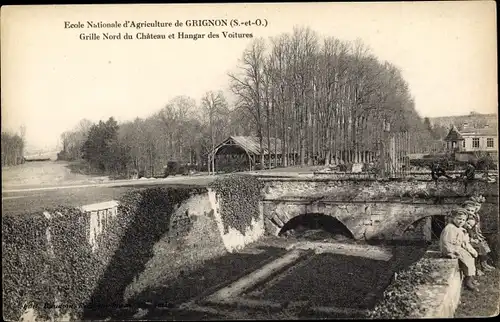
x=395 y=154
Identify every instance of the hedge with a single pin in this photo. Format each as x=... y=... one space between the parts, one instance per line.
x=37 y=269
x=239 y=197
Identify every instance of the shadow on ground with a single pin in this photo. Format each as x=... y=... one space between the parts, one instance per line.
x=340 y=280
x=216 y=273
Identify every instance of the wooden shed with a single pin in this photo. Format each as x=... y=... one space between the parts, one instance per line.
x=240 y=153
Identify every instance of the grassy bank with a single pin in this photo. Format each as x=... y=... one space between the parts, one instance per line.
x=483 y=303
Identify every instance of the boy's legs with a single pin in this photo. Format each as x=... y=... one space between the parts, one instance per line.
x=484 y=263
x=466 y=262
x=483 y=250
x=479 y=272
x=478 y=260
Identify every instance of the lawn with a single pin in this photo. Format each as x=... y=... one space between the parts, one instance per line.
x=43 y=173
x=483 y=303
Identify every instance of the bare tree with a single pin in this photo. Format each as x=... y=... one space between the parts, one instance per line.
x=215 y=109
x=247 y=86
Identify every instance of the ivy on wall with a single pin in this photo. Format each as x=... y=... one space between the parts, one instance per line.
x=239 y=197
x=44 y=259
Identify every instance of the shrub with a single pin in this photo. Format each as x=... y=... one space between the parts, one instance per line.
x=23 y=261
x=239 y=199
x=74 y=269
x=343 y=167
x=485 y=162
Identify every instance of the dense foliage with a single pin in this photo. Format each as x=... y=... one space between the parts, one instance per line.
x=103 y=150
x=239 y=197
x=44 y=260
x=12 y=149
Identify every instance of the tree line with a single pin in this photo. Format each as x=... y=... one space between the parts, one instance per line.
x=183 y=130
x=327 y=100
x=13 y=145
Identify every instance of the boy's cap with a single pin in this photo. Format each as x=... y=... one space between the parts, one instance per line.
x=478 y=199
x=459 y=212
x=470 y=203
x=472 y=216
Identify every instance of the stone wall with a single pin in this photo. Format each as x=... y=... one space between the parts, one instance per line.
x=364 y=220
x=196 y=231
x=373 y=209
x=366 y=190
x=100 y=216
x=440 y=298
x=193 y=236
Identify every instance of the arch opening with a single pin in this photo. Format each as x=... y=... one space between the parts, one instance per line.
x=428 y=228
x=314 y=225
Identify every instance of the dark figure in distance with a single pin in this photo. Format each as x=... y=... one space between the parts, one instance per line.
x=438 y=171
x=468 y=175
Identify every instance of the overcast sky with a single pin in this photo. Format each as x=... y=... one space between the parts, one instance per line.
x=51 y=79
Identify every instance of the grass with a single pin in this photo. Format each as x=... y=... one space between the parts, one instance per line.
x=484 y=303
x=32 y=201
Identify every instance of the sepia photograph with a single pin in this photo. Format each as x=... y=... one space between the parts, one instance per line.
x=250 y=161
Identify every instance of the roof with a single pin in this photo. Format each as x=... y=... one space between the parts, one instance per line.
x=41 y=155
x=251 y=144
x=474 y=119
x=453 y=135
x=486 y=131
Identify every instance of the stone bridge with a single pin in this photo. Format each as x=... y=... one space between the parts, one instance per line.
x=372 y=209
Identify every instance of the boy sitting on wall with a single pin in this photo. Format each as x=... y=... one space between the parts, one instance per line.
x=477 y=239
x=480 y=245
x=454 y=244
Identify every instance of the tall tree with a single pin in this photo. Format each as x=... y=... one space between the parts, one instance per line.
x=247 y=86
x=215 y=110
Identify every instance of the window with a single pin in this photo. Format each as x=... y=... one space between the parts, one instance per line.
x=475 y=142
x=490 y=143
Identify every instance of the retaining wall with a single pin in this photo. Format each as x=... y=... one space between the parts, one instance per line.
x=440 y=298
x=196 y=231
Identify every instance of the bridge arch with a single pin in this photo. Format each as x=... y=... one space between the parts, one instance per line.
x=430 y=225
x=317 y=221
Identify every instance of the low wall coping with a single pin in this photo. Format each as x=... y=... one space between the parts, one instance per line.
x=440 y=298
x=99 y=206
x=333 y=177
x=306 y=200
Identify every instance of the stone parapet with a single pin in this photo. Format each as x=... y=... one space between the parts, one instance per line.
x=440 y=298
